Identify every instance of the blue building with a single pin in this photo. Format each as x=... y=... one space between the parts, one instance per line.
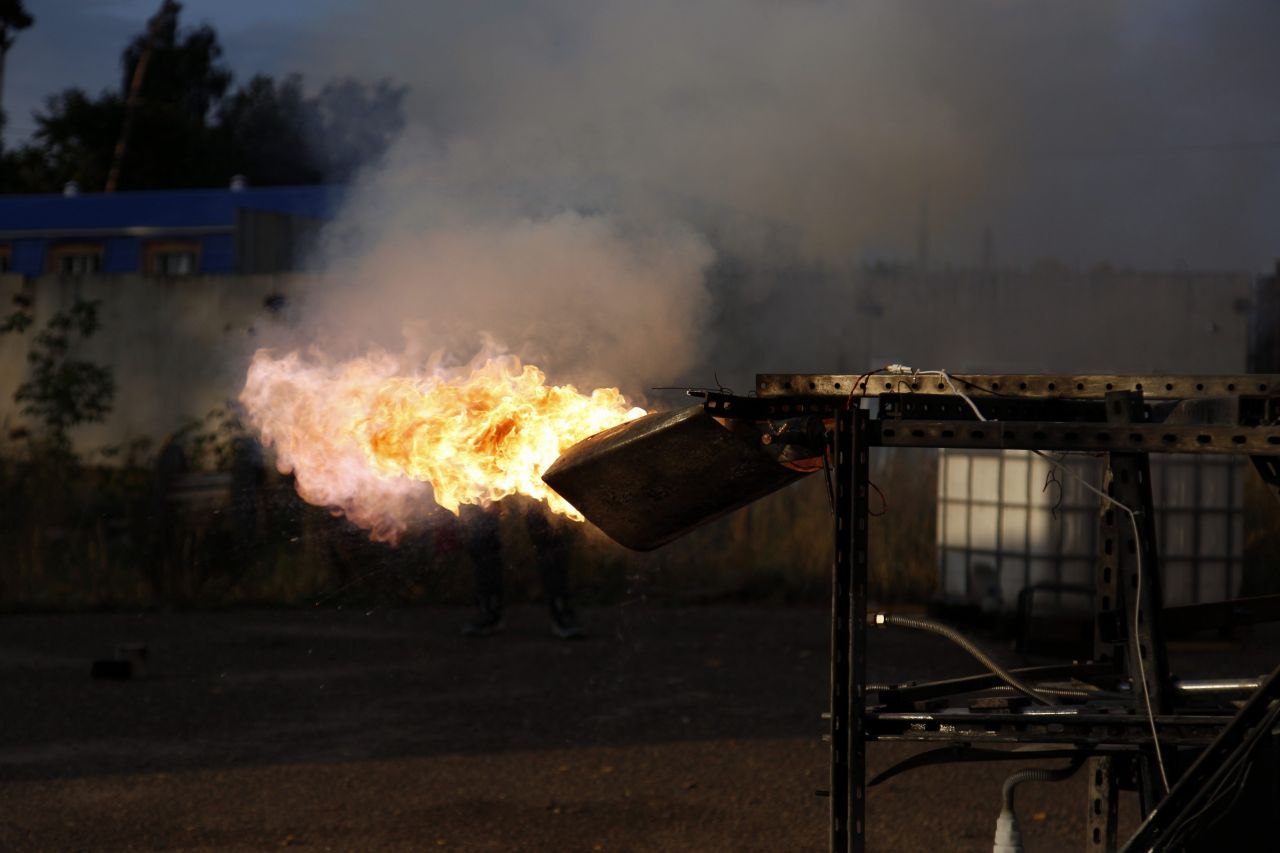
x=164 y=232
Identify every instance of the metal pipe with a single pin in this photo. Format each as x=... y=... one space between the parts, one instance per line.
x=1196 y=686
x=965 y=643
x=1205 y=686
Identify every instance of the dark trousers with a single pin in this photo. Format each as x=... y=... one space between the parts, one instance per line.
x=551 y=565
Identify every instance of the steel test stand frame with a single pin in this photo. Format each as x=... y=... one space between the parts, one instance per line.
x=1124 y=417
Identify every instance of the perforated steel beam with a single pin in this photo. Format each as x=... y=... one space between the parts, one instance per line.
x=1102 y=816
x=1066 y=387
x=1057 y=436
x=848 y=634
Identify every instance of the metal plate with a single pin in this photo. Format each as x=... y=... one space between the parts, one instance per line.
x=649 y=481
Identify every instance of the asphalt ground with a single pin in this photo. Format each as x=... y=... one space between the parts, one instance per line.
x=333 y=729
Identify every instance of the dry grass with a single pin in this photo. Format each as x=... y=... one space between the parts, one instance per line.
x=86 y=537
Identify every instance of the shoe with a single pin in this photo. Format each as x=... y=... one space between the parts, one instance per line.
x=486 y=624
x=564 y=622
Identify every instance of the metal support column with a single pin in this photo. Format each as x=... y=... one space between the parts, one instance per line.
x=1104 y=805
x=848 y=635
x=1137 y=574
x=1108 y=638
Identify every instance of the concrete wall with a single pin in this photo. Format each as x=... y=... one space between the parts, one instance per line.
x=178 y=346
x=1040 y=321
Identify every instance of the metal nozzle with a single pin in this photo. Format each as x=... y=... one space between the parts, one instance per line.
x=649 y=481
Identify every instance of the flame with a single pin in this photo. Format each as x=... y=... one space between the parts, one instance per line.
x=364 y=438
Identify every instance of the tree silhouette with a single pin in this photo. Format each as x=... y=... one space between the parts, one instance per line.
x=13 y=18
x=192 y=126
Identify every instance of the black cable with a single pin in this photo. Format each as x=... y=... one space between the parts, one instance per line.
x=1037 y=775
x=826 y=471
x=1187 y=827
x=1052 y=479
x=1231 y=781
x=884 y=502
x=848 y=403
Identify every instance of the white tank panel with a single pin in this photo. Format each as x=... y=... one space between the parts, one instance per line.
x=1009 y=519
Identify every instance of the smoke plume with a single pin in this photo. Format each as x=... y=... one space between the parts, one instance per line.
x=642 y=193
x=619 y=188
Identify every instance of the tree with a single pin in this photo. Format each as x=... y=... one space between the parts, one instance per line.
x=355 y=123
x=76 y=135
x=190 y=126
x=63 y=391
x=13 y=19
x=172 y=81
x=264 y=129
x=273 y=133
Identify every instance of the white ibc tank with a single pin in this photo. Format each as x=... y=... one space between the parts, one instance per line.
x=1008 y=519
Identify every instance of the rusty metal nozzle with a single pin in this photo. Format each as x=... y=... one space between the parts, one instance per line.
x=651 y=480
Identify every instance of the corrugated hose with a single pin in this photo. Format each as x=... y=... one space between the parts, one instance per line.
x=921 y=624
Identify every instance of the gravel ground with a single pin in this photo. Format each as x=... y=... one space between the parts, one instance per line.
x=667 y=729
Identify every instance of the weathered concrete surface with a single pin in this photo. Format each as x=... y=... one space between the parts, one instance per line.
x=180 y=346
x=692 y=728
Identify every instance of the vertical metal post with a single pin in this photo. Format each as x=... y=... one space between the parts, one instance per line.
x=1109 y=631
x=1108 y=603
x=1230 y=466
x=1104 y=806
x=1137 y=603
x=848 y=635
x=841 y=579
x=1102 y=814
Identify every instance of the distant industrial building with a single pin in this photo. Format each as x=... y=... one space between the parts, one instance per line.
x=241 y=230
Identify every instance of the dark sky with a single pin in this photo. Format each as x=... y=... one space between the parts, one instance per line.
x=78 y=43
x=1142 y=132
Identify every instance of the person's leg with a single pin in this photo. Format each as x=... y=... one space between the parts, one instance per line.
x=553 y=565
x=488 y=598
x=485 y=550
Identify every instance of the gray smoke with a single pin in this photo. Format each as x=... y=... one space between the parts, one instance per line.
x=624 y=189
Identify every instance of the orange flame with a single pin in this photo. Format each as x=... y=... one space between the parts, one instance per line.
x=364 y=438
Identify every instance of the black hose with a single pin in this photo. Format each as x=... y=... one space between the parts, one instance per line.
x=1037 y=775
x=965 y=643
